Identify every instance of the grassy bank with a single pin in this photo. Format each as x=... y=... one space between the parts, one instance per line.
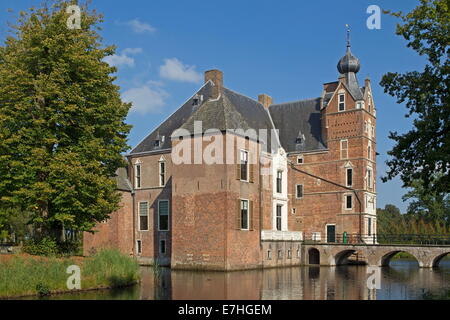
x=30 y=275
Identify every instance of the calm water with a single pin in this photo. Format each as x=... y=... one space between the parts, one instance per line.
x=402 y=280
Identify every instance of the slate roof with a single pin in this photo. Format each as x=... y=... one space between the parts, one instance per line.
x=122 y=181
x=231 y=111
x=299 y=120
x=175 y=121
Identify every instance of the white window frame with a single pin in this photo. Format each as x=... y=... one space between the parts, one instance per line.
x=248 y=213
x=137 y=176
x=346 y=195
x=296 y=191
x=369 y=178
x=278 y=205
x=162 y=175
x=168 y=215
x=341 y=102
x=147 y=215
x=346 y=177
x=342 y=148
x=279 y=172
x=241 y=152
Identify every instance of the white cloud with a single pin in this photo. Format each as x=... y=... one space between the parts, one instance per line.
x=124 y=58
x=140 y=27
x=174 y=69
x=146 y=99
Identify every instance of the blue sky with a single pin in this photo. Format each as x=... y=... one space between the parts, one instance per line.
x=286 y=49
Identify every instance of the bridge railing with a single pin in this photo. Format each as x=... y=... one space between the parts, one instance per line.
x=417 y=239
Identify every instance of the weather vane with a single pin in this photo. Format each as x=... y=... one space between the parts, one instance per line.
x=348 y=35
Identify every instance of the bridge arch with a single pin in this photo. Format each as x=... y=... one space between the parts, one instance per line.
x=438 y=259
x=386 y=258
x=313 y=256
x=341 y=257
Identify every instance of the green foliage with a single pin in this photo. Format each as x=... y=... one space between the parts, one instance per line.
x=424 y=152
x=42 y=290
x=62 y=122
x=33 y=276
x=43 y=247
x=391 y=222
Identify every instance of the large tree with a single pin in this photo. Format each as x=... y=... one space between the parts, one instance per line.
x=62 y=121
x=424 y=152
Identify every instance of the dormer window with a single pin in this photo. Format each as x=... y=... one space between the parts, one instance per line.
x=157 y=143
x=360 y=105
x=300 y=138
x=197 y=100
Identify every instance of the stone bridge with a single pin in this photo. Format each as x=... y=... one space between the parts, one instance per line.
x=428 y=256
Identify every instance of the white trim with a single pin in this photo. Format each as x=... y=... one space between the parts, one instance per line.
x=296 y=191
x=248 y=165
x=345 y=201
x=344 y=102
x=147 y=215
x=248 y=213
x=168 y=215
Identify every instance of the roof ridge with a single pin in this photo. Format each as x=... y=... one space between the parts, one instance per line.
x=296 y=101
x=243 y=95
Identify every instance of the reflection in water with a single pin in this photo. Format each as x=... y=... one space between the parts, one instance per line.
x=402 y=280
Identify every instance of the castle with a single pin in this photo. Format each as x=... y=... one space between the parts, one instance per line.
x=228 y=182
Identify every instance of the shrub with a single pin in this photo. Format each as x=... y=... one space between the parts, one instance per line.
x=45 y=247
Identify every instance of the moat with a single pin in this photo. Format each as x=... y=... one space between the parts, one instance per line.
x=403 y=280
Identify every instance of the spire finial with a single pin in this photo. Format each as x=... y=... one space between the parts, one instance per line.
x=348 y=35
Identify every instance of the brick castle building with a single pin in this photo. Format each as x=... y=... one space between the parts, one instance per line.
x=228 y=182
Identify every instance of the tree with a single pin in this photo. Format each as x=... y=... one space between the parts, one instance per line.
x=424 y=151
x=62 y=122
x=428 y=205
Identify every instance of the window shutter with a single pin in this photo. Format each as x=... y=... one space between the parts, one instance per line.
x=250 y=219
x=238 y=215
x=238 y=172
x=252 y=172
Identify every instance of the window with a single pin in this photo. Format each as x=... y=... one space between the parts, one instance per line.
x=162 y=247
x=344 y=149
x=279 y=181
x=143 y=216
x=299 y=191
x=369 y=103
x=289 y=254
x=162 y=173
x=369 y=152
x=244 y=215
x=137 y=174
x=298 y=253
x=163 y=215
x=280 y=254
x=278 y=217
x=348 y=202
x=342 y=102
x=244 y=165
x=349 y=177
x=300 y=160
x=369 y=178
x=157 y=143
x=294 y=210
x=269 y=255
x=139 y=247
x=369 y=226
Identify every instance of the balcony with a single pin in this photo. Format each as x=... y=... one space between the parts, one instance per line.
x=281 y=235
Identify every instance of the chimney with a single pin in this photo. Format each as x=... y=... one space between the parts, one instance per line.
x=216 y=76
x=367 y=82
x=265 y=100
